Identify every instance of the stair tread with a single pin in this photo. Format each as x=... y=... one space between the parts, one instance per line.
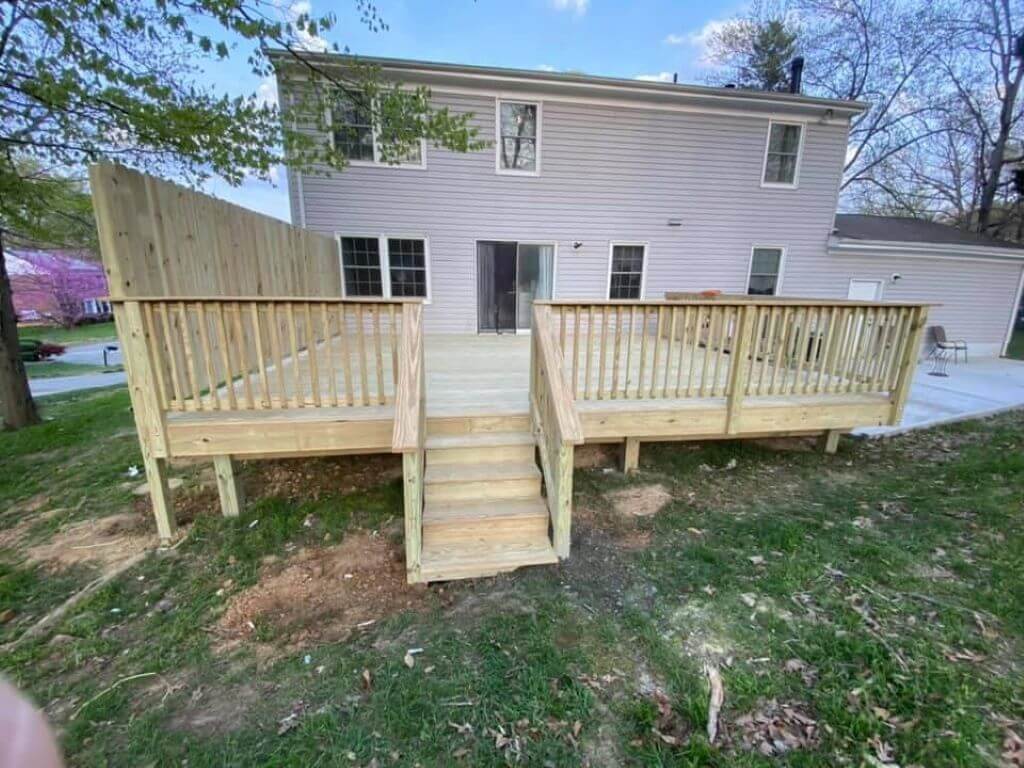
x=475 y=473
x=479 y=440
x=469 y=511
x=470 y=559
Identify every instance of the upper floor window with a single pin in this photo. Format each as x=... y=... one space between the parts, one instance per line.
x=782 y=155
x=518 y=140
x=765 y=271
x=626 y=275
x=355 y=136
x=385 y=266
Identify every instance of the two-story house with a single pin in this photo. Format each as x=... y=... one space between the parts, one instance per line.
x=601 y=187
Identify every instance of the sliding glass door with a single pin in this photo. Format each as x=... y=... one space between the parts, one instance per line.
x=510 y=276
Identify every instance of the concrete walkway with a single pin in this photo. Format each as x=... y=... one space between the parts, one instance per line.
x=980 y=388
x=82 y=354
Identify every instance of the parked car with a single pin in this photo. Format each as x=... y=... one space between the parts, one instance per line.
x=33 y=350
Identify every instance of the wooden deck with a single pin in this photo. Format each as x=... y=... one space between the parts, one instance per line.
x=236 y=345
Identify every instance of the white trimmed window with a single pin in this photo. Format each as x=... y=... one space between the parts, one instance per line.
x=765 y=275
x=353 y=134
x=518 y=137
x=782 y=154
x=626 y=271
x=385 y=266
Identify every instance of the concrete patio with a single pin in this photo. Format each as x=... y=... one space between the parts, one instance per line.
x=983 y=387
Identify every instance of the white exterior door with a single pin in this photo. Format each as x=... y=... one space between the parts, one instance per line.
x=865 y=290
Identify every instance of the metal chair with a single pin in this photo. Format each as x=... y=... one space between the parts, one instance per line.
x=941 y=343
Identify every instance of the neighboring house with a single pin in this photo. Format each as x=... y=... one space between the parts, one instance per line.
x=598 y=187
x=57 y=287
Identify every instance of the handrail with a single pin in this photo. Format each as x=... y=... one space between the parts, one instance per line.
x=274 y=299
x=410 y=409
x=766 y=301
x=552 y=371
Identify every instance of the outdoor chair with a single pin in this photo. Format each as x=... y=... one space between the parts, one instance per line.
x=940 y=343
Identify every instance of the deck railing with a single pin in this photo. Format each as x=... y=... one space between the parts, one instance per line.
x=556 y=424
x=715 y=348
x=228 y=354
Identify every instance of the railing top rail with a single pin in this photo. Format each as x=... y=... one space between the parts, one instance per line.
x=267 y=299
x=730 y=302
x=562 y=398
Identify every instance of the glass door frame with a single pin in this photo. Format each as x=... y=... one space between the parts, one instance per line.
x=476 y=262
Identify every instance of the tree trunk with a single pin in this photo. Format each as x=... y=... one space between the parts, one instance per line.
x=19 y=409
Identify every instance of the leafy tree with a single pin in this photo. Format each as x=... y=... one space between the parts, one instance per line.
x=84 y=80
x=754 y=50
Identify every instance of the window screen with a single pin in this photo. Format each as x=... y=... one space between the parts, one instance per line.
x=353 y=131
x=764 y=271
x=408 y=267
x=518 y=140
x=783 y=148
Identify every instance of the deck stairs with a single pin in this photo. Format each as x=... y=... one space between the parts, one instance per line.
x=483 y=510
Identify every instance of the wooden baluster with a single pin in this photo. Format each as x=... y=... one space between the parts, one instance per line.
x=274 y=329
x=604 y=346
x=266 y=396
x=576 y=352
x=590 y=351
x=669 y=346
x=709 y=312
x=629 y=349
x=656 y=358
x=245 y=361
x=694 y=343
x=849 y=348
x=618 y=351
x=760 y=319
x=378 y=354
x=311 y=351
x=208 y=363
x=720 y=380
x=186 y=341
x=346 y=355
x=768 y=349
x=562 y=322
x=853 y=364
x=682 y=348
x=879 y=347
x=157 y=352
x=332 y=370
x=394 y=349
x=825 y=348
x=780 y=367
x=225 y=356
x=641 y=374
x=361 y=340
x=172 y=354
x=899 y=332
x=299 y=398
x=803 y=338
x=838 y=350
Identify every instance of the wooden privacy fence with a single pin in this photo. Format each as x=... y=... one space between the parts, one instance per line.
x=711 y=348
x=235 y=354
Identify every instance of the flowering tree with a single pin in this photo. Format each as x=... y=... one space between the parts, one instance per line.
x=54 y=286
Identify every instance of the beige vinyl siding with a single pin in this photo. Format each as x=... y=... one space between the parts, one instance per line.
x=606 y=174
x=975 y=296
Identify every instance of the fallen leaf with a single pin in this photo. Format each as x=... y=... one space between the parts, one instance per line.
x=410 y=660
x=367 y=680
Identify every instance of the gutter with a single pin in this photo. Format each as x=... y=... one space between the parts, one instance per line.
x=838 y=246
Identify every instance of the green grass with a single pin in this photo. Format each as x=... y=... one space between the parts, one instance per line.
x=1015 y=349
x=53 y=369
x=77 y=335
x=892 y=570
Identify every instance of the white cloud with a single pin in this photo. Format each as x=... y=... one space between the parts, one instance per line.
x=700 y=39
x=547 y=68
x=676 y=39
x=266 y=94
x=303 y=40
x=660 y=77
x=579 y=7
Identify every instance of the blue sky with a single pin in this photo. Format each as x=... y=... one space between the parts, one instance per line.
x=620 y=39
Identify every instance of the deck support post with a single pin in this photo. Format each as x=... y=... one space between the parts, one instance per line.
x=907 y=365
x=830 y=441
x=412 y=471
x=232 y=498
x=630 y=454
x=160 y=494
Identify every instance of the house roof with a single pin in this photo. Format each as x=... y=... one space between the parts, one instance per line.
x=567 y=83
x=903 y=229
x=21 y=262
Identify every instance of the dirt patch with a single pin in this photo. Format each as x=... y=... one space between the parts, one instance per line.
x=316 y=478
x=640 y=501
x=104 y=543
x=216 y=711
x=787 y=444
x=321 y=595
x=596 y=456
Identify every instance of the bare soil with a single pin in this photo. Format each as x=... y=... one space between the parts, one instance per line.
x=640 y=500
x=104 y=543
x=321 y=595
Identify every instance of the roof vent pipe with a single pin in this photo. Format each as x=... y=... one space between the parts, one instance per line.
x=796 y=74
x=675 y=77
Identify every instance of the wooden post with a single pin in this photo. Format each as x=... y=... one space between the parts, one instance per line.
x=739 y=367
x=830 y=441
x=232 y=498
x=149 y=418
x=630 y=454
x=907 y=365
x=561 y=523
